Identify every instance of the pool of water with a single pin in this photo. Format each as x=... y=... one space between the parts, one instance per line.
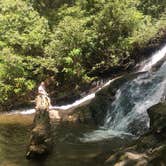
x=68 y=150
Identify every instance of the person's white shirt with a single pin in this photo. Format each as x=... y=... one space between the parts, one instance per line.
x=41 y=90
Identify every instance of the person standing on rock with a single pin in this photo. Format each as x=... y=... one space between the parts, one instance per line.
x=42 y=91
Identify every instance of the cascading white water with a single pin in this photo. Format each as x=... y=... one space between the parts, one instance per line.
x=147 y=65
x=155 y=58
x=84 y=99
x=23 y=111
x=128 y=113
x=76 y=103
x=65 y=107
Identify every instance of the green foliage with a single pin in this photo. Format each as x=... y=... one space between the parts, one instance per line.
x=14 y=81
x=70 y=40
x=153 y=8
x=21 y=27
x=116 y=25
x=19 y=74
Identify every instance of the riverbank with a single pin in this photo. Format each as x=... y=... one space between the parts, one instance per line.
x=67 y=147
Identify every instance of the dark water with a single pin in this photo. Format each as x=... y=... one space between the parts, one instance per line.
x=68 y=150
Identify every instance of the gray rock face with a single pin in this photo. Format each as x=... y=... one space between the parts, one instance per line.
x=150 y=149
x=40 y=137
x=94 y=110
x=157 y=120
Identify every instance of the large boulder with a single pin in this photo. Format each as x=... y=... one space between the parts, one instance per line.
x=148 y=150
x=157 y=116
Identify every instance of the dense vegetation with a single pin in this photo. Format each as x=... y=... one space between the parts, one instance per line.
x=70 y=41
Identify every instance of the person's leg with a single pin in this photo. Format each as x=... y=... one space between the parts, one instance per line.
x=49 y=101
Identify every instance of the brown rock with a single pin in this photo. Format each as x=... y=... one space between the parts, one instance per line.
x=40 y=137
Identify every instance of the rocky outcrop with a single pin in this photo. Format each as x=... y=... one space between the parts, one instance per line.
x=40 y=137
x=92 y=111
x=150 y=149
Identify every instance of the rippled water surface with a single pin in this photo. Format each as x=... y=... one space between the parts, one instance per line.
x=67 y=151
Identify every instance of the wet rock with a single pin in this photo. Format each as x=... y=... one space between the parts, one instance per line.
x=91 y=111
x=40 y=137
x=157 y=116
x=94 y=110
x=150 y=149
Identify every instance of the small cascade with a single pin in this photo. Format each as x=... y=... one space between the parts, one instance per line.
x=24 y=111
x=76 y=103
x=82 y=100
x=154 y=59
x=127 y=115
x=64 y=107
x=145 y=66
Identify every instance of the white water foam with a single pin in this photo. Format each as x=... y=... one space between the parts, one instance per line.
x=23 y=111
x=82 y=100
x=100 y=134
x=76 y=103
x=155 y=58
x=147 y=66
x=65 y=107
x=117 y=123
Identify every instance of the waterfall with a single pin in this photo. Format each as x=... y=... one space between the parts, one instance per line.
x=155 y=58
x=65 y=107
x=127 y=115
x=145 y=66
x=23 y=111
x=82 y=100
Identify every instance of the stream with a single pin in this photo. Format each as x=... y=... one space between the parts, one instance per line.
x=68 y=150
x=80 y=145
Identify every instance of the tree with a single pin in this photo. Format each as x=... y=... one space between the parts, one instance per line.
x=21 y=27
x=69 y=43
